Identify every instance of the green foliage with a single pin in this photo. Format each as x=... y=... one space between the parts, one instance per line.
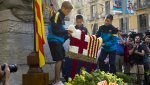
x=93 y=78
x=148 y=72
x=126 y=78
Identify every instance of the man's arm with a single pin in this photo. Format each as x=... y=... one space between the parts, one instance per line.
x=148 y=49
x=131 y=51
x=57 y=26
x=139 y=53
x=120 y=37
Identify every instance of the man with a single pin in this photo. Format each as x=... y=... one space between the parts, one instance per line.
x=146 y=47
x=109 y=35
x=57 y=36
x=79 y=24
x=120 y=52
x=136 y=58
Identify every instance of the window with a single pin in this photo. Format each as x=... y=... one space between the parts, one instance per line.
x=93 y=11
x=124 y=24
x=121 y=23
x=107 y=7
x=142 y=3
x=143 y=22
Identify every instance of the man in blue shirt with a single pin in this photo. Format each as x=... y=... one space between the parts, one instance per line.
x=109 y=35
x=120 y=52
x=57 y=36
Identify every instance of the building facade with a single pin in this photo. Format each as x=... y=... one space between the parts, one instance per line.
x=135 y=15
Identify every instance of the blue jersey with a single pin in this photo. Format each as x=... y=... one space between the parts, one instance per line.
x=120 y=48
x=56 y=30
x=109 y=36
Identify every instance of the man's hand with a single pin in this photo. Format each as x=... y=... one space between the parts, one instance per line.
x=135 y=46
x=7 y=74
x=70 y=31
x=136 y=51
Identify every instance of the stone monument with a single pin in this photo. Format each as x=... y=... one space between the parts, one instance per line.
x=16 y=36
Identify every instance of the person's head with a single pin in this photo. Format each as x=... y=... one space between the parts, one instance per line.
x=147 y=39
x=119 y=31
x=66 y=7
x=108 y=19
x=130 y=5
x=137 y=39
x=79 y=20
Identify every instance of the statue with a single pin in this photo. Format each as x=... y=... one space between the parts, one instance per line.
x=22 y=9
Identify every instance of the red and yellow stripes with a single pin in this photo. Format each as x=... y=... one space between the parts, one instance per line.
x=40 y=32
x=93 y=46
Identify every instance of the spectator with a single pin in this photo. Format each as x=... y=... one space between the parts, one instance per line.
x=126 y=54
x=146 y=47
x=136 y=53
x=120 y=53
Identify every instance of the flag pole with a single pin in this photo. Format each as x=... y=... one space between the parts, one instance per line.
x=34 y=25
x=35 y=74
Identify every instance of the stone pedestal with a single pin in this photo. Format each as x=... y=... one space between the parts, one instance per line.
x=35 y=75
x=35 y=79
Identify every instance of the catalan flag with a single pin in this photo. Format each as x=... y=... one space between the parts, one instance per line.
x=40 y=32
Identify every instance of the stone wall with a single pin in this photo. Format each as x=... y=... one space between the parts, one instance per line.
x=16 y=42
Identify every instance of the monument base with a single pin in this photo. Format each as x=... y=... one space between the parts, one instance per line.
x=35 y=75
x=36 y=79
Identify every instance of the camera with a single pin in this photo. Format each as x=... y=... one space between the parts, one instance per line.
x=147 y=33
x=12 y=67
x=132 y=34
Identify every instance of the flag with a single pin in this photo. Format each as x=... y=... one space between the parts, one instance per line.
x=117 y=6
x=40 y=33
x=130 y=6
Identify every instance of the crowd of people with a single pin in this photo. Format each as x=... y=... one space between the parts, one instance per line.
x=132 y=54
x=127 y=53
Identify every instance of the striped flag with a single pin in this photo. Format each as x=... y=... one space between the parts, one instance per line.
x=94 y=45
x=40 y=33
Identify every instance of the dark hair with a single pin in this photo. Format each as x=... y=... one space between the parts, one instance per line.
x=109 y=16
x=138 y=35
x=67 y=5
x=79 y=17
x=147 y=32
